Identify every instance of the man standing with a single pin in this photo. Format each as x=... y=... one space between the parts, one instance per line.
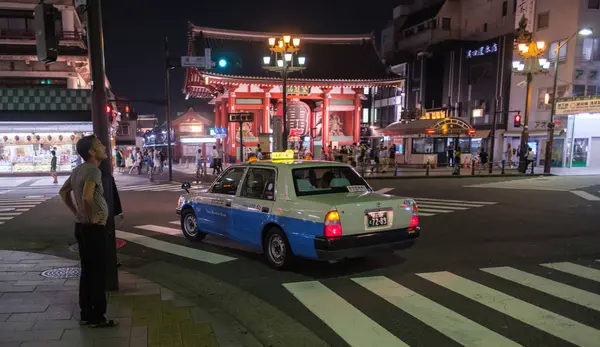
x=91 y=213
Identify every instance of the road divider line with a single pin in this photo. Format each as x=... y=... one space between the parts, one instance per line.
x=433 y=314
x=159 y=229
x=585 y=195
x=544 y=285
x=384 y=190
x=576 y=270
x=186 y=252
x=458 y=201
x=353 y=326
x=552 y=323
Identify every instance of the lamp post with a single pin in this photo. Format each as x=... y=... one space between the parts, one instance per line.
x=550 y=140
x=532 y=65
x=282 y=60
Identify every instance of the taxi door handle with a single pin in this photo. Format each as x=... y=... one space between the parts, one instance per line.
x=265 y=209
x=228 y=203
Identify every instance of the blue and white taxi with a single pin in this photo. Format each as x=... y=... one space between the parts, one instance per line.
x=309 y=209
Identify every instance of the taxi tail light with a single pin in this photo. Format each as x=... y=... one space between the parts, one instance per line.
x=414 y=219
x=333 y=225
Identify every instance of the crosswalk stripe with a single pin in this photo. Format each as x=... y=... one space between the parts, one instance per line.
x=356 y=328
x=22 y=210
x=384 y=190
x=186 y=252
x=436 y=316
x=421 y=214
x=457 y=201
x=159 y=229
x=552 y=323
x=22 y=201
x=176 y=222
x=9 y=214
x=585 y=195
x=442 y=206
x=16 y=205
x=449 y=204
x=6 y=218
x=575 y=269
x=557 y=289
x=431 y=210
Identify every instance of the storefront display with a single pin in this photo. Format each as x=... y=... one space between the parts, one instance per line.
x=23 y=153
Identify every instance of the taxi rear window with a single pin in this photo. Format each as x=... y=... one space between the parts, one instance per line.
x=326 y=180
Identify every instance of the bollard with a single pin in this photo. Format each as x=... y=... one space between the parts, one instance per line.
x=427 y=168
x=503 y=166
x=472 y=168
x=396 y=170
x=532 y=166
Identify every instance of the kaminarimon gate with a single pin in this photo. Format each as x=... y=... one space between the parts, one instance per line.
x=338 y=71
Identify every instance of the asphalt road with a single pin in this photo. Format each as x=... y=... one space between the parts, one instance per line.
x=474 y=278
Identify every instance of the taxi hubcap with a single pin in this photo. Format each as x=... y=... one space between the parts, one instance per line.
x=277 y=249
x=189 y=224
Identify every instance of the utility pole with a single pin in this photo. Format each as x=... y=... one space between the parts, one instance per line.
x=101 y=129
x=168 y=110
x=284 y=133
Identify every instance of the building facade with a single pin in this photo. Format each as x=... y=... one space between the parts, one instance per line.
x=576 y=135
x=457 y=60
x=324 y=101
x=43 y=107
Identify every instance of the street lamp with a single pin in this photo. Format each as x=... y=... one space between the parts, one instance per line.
x=550 y=140
x=281 y=60
x=532 y=64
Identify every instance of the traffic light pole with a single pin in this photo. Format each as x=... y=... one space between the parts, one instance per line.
x=284 y=133
x=525 y=133
x=101 y=129
x=550 y=139
x=168 y=109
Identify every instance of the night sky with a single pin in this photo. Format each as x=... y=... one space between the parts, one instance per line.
x=134 y=33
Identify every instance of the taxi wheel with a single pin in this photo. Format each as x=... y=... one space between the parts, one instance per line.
x=277 y=249
x=189 y=226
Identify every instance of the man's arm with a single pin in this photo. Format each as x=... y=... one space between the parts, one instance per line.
x=65 y=195
x=88 y=199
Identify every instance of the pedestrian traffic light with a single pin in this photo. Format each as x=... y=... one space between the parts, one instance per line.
x=126 y=109
x=517 y=120
x=45 y=16
x=222 y=63
x=108 y=110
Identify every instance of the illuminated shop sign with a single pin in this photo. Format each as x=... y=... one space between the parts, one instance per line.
x=483 y=50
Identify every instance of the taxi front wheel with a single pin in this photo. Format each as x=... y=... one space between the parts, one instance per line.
x=189 y=226
x=277 y=249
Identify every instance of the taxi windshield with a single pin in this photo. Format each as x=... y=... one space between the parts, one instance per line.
x=327 y=180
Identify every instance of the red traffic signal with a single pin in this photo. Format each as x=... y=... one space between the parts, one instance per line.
x=517 y=120
x=126 y=109
x=108 y=109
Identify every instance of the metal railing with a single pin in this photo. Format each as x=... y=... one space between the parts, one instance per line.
x=13 y=34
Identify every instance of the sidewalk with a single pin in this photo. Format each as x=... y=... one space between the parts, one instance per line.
x=38 y=308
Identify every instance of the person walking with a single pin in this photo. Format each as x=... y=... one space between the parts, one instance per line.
x=53 y=165
x=90 y=209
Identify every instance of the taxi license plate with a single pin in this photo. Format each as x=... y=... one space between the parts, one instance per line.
x=377 y=219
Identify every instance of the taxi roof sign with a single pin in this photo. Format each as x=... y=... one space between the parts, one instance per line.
x=282 y=156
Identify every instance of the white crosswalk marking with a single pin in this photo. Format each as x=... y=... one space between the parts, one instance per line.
x=430 y=207
x=436 y=316
x=356 y=328
x=557 y=289
x=159 y=229
x=384 y=190
x=163 y=187
x=347 y=321
x=575 y=269
x=552 y=323
x=13 y=207
x=585 y=195
x=186 y=252
x=552 y=183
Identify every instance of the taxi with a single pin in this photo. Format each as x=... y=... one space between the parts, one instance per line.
x=291 y=208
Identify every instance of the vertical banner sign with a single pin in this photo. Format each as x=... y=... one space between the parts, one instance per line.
x=525 y=9
x=297 y=118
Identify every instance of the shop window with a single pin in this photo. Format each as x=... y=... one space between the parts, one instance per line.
x=580 y=151
x=422 y=146
x=591 y=49
x=562 y=54
x=543 y=20
x=365 y=115
x=594 y=4
x=123 y=130
x=464 y=145
x=541 y=101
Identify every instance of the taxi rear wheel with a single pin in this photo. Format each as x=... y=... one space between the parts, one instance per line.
x=277 y=249
x=189 y=226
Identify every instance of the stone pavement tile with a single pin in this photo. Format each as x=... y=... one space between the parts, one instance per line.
x=200 y=315
x=196 y=335
x=138 y=342
x=16 y=267
x=180 y=302
x=55 y=324
x=59 y=343
x=4 y=316
x=139 y=332
x=8 y=287
x=112 y=342
x=87 y=333
x=9 y=261
x=54 y=288
x=176 y=314
x=29 y=296
x=10 y=344
x=72 y=282
x=20 y=308
x=166 y=294
x=41 y=282
x=164 y=335
x=54 y=312
x=116 y=311
x=11 y=276
x=39 y=335
x=16 y=326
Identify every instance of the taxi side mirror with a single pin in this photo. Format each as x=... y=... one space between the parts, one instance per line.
x=186 y=186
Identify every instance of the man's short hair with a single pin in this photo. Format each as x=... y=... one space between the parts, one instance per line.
x=84 y=145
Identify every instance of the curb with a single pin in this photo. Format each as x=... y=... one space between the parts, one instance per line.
x=455 y=176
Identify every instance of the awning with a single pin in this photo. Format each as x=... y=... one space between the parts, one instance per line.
x=533 y=133
x=481 y=134
x=446 y=127
x=45 y=127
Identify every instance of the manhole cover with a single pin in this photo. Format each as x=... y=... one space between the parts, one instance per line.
x=120 y=244
x=62 y=272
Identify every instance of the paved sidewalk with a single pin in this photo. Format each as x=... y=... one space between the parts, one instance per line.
x=37 y=311
x=438 y=172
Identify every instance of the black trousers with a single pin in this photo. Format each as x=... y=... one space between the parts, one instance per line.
x=92 y=251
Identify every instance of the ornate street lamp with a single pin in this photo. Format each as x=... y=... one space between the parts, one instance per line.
x=281 y=60
x=532 y=64
x=550 y=139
